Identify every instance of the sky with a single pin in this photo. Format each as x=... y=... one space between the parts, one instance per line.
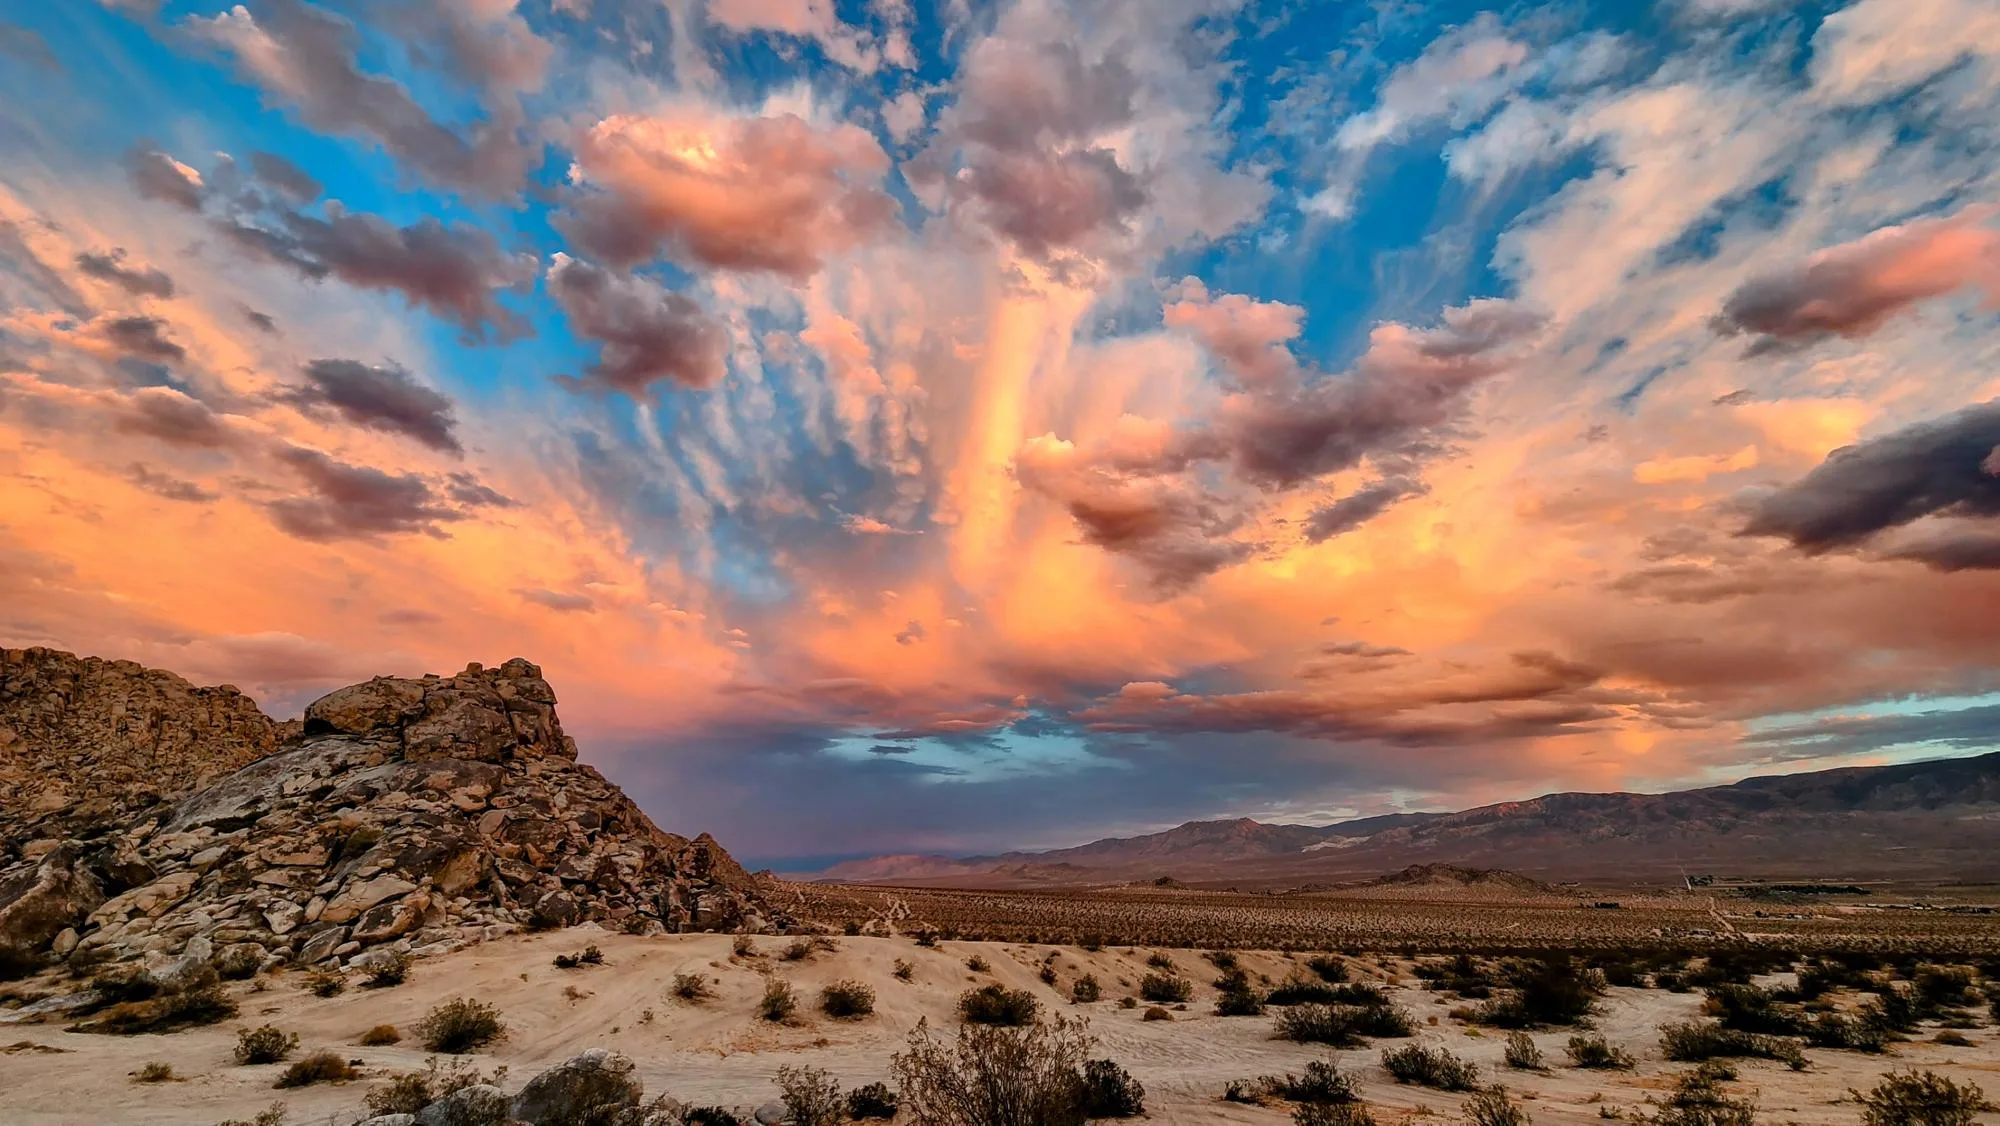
x=904 y=426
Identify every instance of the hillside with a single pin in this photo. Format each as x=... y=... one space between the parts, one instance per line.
x=1926 y=820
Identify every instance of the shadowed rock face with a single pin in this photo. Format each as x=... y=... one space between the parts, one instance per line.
x=413 y=814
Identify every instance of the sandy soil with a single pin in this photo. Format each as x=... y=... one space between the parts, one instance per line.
x=719 y=1052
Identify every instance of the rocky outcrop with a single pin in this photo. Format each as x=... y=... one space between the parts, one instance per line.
x=408 y=815
x=86 y=743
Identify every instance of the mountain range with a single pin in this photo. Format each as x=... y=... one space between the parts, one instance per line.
x=1926 y=820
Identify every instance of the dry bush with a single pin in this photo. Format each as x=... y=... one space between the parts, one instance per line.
x=325 y=982
x=811 y=1097
x=1698 y=1100
x=903 y=970
x=798 y=951
x=743 y=947
x=1522 y=1054
x=1336 y=1114
x=1084 y=990
x=1694 y=1041
x=1430 y=1067
x=411 y=1091
x=998 y=1005
x=1323 y=1083
x=1492 y=1107
x=142 y=1006
x=1165 y=989
x=273 y=1115
x=155 y=1072
x=709 y=1116
x=1341 y=1026
x=319 y=1067
x=389 y=969
x=977 y=964
x=1834 y=1030
x=1920 y=1098
x=380 y=1035
x=1592 y=1050
x=778 y=1002
x=460 y=1025
x=238 y=964
x=692 y=988
x=265 y=1044
x=847 y=1000
x=1749 y=1008
x=1552 y=992
x=871 y=1101
x=997 y=1076
x=1162 y=961
x=1330 y=969
x=1155 y=1013
x=1109 y=1091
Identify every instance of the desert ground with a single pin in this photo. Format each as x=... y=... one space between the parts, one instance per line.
x=719 y=1051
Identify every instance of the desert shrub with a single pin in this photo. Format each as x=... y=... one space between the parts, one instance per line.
x=1109 y=1091
x=847 y=1000
x=977 y=964
x=325 y=982
x=1698 y=1100
x=1951 y=1039
x=1694 y=1041
x=998 y=1005
x=1084 y=990
x=1492 y=1107
x=873 y=1100
x=1944 y=987
x=1154 y=1012
x=1241 y=1001
x=1335 y=1114
x=1739 y=965
x=1430 y=1067
x=1748 y=1008
x=273 y=1115
x=778 y=1002
x=797 y=951
x=1165 y=988
x=238 y=963
x=1341 y=1026
x=460 y=1025
x=319 y=1067
x=692 y=988
x=995 y=1075
x=903 y=971
x=709 y=1116
x=744 y=946
x=1590 y=1050
x=386 y=970
x=811 y=1097
x=1553 y=992
x=1920 y=1098
x=265 y=1044
x=155 y=1072
x=1895 y=1009
x=927 y=938
x=1301 y=991
x=1323 y=1083
x=410 y=1092
x=1330 y=969
x=1522 y=1054
x=379 y=1035
x=1162 y=961
x=1048 y=974
x=1224 y=960
x=143 y=1006
x=1832 y=1030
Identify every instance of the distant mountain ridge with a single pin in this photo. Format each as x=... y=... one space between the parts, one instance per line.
x=1934 y=819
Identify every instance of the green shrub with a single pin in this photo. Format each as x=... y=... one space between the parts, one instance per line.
x=460 y=1025
x=1920 y=1098
x=265 y=1044
x=778 y=1002
x=1165 y=989
x=1341 y=1026
x=1590 y=1050
x=847 y=1000
x=1084 y=990
x=1832 y=1030
x=1748 y=1008
x=319 y=1067
x=1694 y=1041
x=1554 y=992
x=998 y=1005
x=1430 y=1067
x=1522 y=1054
x=1323 y=1083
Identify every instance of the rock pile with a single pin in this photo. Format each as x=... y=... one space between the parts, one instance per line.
x=414 y=815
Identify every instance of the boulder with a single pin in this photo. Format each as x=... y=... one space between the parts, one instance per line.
x=585 y=1087
x=772 y=1113
x=481 y=1102
x=42 y=901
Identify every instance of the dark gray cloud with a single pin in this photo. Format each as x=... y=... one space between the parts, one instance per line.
x=356 y=501
x=110 y=267
x=1957 y=550
x=174 y=418
x=645 y=333
x=27 y=45
x=1854 y=289
x=1173 y=528
x=559 y=601
x=469 y=491
x=388 y=399
x=1361 y=506
x=1948 y=466
x=1046 y=201
x=168 y=486
x=262 y=321
x=143 y=337
x=276 y=172
x=155 y=175
x=1968 y=729
x=306 y=57
x=1363 y=650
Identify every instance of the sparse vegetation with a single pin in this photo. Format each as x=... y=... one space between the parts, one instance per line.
x=1920 y=1098
x=154 y=1072
x=1336 y=1114
x=325 y=982
x=1522 y=1054
x=1165 y=989
x=388 y=969
x=1109 y=1091
x=811 y=1097
x=139 y=1005
x=998 y=1006
x=847 y=1000
x=1492 y=1107
x=996 y=1076
x=411 y=1091
x=273 y=1115
x=264 y=1044
x=692 y=988
x=1084 y=990
x=903 y=970
x=872 y=1101
x=380 y=1035
x=1330 y=969
x=1430 y=1067
x=319 y=1067
x=977 y=964
x=1323 y=1083
x=1341 y=1026
x=1699 y=1100
x=779 y=1003
x=460 y=1025
x=743 y=947
x=1554 y=992
x=1694 y=1041
x=1591 y=1050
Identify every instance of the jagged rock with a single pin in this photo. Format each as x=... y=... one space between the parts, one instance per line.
x=427 y=813
x=591 y=1083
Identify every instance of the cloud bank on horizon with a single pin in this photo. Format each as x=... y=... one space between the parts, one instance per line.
x=910 y=426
